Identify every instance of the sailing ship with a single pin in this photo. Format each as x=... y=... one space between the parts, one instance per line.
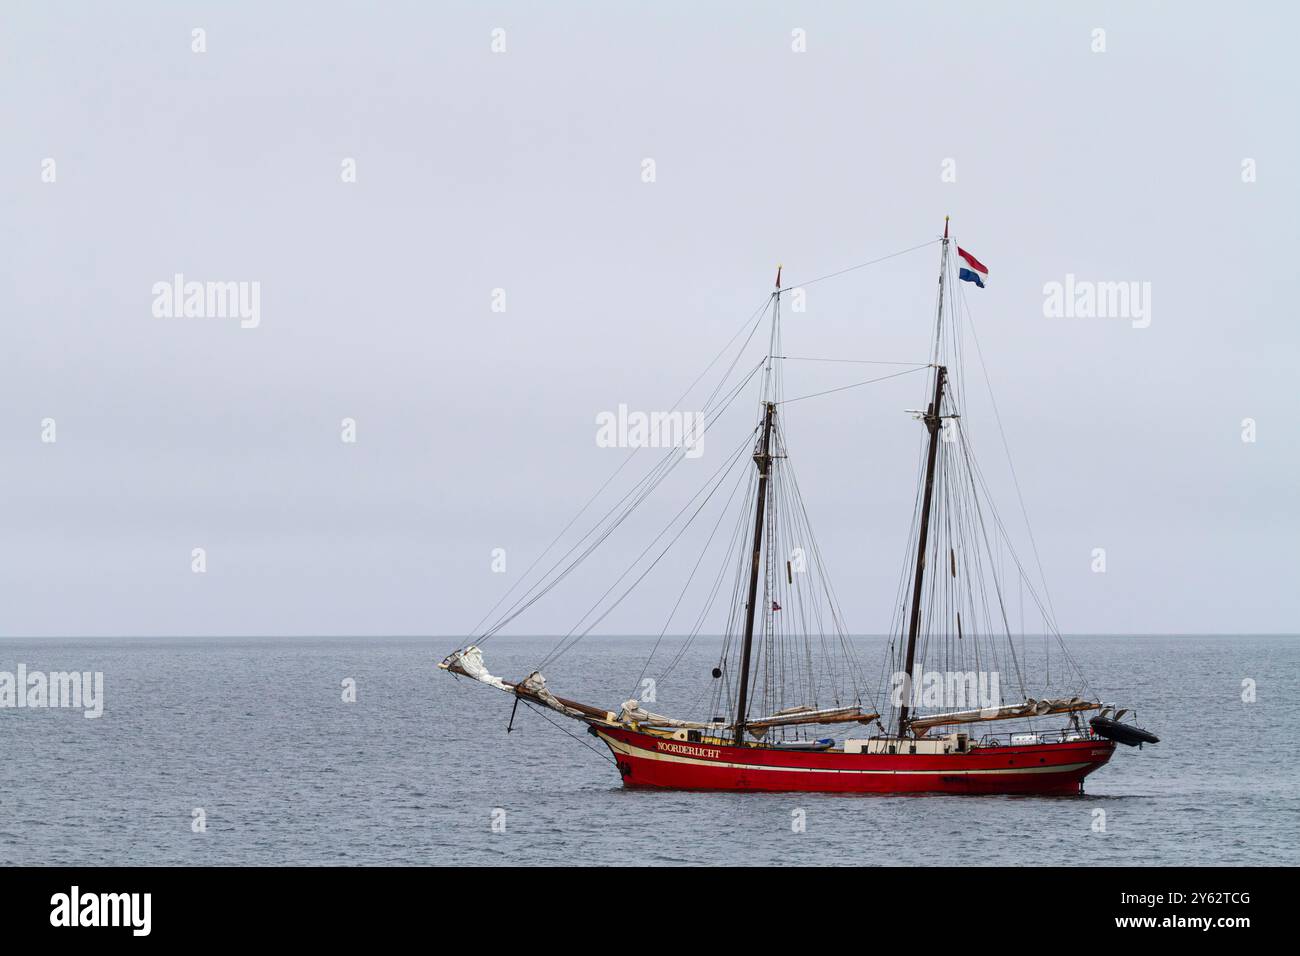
x=787 y=674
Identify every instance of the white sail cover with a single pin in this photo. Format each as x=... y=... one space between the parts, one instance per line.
x=470 y=663
x=633 y=712
x=1030 y=708
x=534 y=686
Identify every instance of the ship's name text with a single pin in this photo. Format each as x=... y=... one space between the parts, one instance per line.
x=689 y=751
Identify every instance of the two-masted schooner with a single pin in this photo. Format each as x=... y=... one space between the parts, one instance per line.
x=787 y=675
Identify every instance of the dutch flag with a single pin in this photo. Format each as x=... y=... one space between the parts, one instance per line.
x=972 y=270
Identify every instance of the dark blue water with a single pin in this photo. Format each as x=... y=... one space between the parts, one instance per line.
x=256 y=733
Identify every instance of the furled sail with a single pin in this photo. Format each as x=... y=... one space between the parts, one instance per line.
x=469 y=663
x=807 y=715
x=534 y=686
x=633 y=712
x=1030 y=708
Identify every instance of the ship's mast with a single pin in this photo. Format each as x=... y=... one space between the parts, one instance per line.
x=932 y=419
x=763 y=460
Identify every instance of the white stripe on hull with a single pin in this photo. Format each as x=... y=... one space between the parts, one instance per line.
x=628 y=750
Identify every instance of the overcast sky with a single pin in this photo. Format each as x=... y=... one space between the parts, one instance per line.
x=524 y=170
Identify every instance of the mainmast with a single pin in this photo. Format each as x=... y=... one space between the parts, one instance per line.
x=932 y=419
x=763 y=461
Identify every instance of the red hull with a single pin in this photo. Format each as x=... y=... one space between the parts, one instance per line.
x=649 y=761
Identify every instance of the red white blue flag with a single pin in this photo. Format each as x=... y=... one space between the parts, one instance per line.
x=972 y=270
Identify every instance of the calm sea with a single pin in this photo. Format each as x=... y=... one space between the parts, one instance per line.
x=255 y=733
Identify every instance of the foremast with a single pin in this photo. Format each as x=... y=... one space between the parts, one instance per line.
x=763 y=460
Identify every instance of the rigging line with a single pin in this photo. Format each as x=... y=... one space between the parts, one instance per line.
x=968 y=454
x=755 y=318
x=722 y=513
x=807 y=358
x=598 y=541
x=804 y=521
x=636 y=494
x=863 y=265
x=716 y=480
x=544 y=716
x=1015 y=557
x=563 y=531
x=799 y=527
x=639 y=492
x=619 y=600
x=1024 y=511
x=843 y=388
x=739 y=352
x=977 y=472
x=733 y=547
x=723 y=688
x=893 y=662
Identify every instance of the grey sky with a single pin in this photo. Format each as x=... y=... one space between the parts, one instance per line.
x=522 y=170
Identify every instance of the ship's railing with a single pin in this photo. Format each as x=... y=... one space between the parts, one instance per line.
x=1026 y=738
